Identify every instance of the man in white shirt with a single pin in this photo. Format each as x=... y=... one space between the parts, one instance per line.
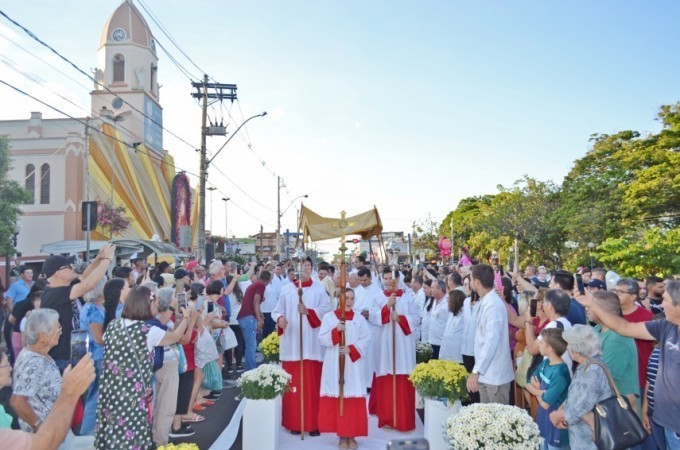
x=492 y=373
x=418 y=292
x=271 y=296
x=367 y=297
x=439 y=314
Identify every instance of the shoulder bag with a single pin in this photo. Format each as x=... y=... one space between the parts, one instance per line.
x=614 y=421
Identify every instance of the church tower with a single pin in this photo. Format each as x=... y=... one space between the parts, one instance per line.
x=128 y=67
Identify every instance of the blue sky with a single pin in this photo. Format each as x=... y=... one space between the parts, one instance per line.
x=408 y=105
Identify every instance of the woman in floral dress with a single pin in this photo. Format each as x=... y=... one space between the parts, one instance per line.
x=123 y=416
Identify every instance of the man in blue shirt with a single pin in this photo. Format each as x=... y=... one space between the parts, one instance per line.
x=564 y=280
x=17 y=292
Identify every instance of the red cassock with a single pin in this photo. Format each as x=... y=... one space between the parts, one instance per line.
x=290 y=417
x=354 y=419
x=381 y=399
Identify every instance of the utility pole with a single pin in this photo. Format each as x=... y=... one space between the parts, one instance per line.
x=261 y=242
x=217 y=92
x=278 y=216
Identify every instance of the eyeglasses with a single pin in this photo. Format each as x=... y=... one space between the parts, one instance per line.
x=623 y=292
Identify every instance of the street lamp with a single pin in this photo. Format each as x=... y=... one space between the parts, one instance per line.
x=226 y=227
x=280 y=214
x=211 y=189
x=591 y=246
x=205 y=162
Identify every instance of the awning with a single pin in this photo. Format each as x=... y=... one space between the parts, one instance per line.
x=146 y=248
x=72 y=247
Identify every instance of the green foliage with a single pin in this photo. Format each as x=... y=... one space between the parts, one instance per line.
x=12 y=196
x=426 y=239
x=652 y=252
x=623 y=195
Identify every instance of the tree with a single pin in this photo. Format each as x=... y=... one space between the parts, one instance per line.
x=426 y=239
x=12 y=196
x=112 y=218
x=652 y=252
x=526 y=212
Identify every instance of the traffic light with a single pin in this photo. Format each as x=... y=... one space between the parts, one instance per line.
x=93 y=215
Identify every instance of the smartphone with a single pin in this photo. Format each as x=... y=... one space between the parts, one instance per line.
x=179 y=287
x=409 y=444
x=211 y=307
x=182 y=299
x=199 y=302
x=579 y=283
x=80 y=344
x=533 y=306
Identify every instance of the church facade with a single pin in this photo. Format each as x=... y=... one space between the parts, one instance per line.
x=115 y=157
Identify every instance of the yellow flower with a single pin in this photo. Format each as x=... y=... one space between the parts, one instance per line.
x=438 y=378
x=270 y=347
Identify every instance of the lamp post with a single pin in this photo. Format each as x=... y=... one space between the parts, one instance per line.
x=211 y=189
x=280 y=213
x=205 y=163
x=226 y=224
x=591 y=246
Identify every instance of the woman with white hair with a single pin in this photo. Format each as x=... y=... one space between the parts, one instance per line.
x=588 y=387
x=37 y=381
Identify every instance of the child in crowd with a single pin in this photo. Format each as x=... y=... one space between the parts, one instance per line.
x=550 y=385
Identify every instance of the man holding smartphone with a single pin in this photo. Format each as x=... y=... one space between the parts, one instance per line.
x=60 y=294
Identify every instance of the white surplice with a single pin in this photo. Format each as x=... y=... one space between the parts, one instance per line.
x=357 y=334
x=318 y=303
x=405 y=344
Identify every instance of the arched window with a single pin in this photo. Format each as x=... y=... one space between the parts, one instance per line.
x=154 y=73
x=30 y=182
x=118 y=68
x=45 y=184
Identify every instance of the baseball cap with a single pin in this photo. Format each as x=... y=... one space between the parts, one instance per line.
x=595 y=283
x=180 y=273
x=55 y=262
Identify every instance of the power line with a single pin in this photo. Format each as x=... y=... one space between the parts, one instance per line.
x=137 y=150
x=240 y=189
x=34 y=37
x=167 y=34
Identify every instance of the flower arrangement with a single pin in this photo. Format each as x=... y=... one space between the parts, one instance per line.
x=492 y=425
x=438 y=378
x=183 y=446
x=270 y=347
x=264 y=383
x=112 y=218
x=423 y=352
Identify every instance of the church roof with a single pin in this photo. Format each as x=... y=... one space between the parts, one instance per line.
x=127 y=18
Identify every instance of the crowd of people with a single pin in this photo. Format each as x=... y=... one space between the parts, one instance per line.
x=160 y=341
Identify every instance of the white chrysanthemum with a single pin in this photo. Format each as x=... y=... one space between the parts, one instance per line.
x=491 y=426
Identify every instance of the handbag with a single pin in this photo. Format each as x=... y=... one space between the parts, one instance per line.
x=228 y=339
x=522 y=372
x=614 y=421
x=181 y=358
x=212 y=377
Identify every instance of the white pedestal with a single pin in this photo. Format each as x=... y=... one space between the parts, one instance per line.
x=262 y=424
x=436 y=412
x=420 y=401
